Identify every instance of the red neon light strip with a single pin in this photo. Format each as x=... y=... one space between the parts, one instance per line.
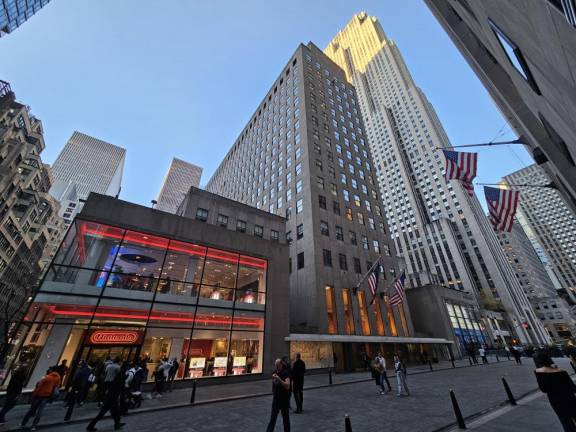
x=157 y=318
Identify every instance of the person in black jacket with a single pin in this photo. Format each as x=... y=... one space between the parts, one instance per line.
x=13 y=391
x=281 y=396
x=559 y=388
x=298 y=371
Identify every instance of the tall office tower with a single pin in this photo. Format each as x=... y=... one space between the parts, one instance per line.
x=546 y=216
x=180 y=177
x=438 y=228
x=552 y=311
x=14 y=12
x=91 y=164
x=303 y=155
x=528 y=73
x=27 y=211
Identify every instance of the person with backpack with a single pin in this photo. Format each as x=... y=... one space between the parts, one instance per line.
x=100 y=377
x=78 y=390
x=172 y=373
x=46 y=390
x=400 y=369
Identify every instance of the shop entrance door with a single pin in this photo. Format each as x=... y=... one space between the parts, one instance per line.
x=97 y=355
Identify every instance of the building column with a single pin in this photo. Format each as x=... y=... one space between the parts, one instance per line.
x=50 y=353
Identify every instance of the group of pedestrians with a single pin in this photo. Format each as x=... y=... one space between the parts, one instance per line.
x=380 y=376
x=164 y=376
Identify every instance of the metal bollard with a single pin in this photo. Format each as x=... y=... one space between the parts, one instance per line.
x=193 y=395
x=347 y=424
x=330 y=376
x=508 y=392
x=457 y=412
x=497 y=358
x=430 y=365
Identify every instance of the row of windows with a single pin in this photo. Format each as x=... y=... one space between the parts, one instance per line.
x=222 y=221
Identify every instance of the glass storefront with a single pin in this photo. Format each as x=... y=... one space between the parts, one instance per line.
x=116 y=292
x=466 y=325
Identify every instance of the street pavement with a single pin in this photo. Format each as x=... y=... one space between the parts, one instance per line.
x=478 y=389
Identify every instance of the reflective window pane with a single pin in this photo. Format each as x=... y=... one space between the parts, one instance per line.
x=220 y=269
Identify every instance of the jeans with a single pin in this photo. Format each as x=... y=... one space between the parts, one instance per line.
x=36 y=408
x=110 y=404
x=9 y=403
x=283 y=408
x=384 y=378
x=401 y=382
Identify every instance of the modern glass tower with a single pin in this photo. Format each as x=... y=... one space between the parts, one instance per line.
x=181 y=175
x=442 y=233
x=91 y=164
x=14 y=12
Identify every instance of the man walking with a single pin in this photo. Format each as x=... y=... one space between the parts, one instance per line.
x=298 y=371
x=400 y=369
x=482 y=352
x=44 y=391
x=516 y=355
x=381 y=369
x=111 y=403
x=13 y=391
x=281 y=396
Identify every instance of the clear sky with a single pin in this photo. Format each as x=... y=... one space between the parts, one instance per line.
x=182 y=77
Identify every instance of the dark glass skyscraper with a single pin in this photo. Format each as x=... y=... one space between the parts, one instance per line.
x=14 y=12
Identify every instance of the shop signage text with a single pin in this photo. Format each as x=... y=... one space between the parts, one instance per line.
x=115 y=337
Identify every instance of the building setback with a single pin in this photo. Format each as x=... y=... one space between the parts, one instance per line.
x=549 y=221
x=180 y=177
x=442 y=233
x=15 y=12
x=523 y=52
x=304 y=154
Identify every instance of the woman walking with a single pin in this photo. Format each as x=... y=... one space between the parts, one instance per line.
x=400 y=369
x=559 y=388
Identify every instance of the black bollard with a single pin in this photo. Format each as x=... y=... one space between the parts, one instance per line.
x=452 y=361
x=330 y=376
x=430 y=365
x=508 y=392
x=347 y=424
x=497 y=358
x=457 y=412
x=193 y=395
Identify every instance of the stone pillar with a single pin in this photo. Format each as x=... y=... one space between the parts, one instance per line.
x=51 y=352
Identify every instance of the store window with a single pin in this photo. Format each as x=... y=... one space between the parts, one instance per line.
x=364 y=320
x=348 y=311
x=378 y=320
x=331 y=309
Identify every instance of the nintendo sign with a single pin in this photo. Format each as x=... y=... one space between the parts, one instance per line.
x=115 y=337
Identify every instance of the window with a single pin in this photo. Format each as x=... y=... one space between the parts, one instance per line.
x=201 y=214
x=299 y=206
x=274 y=235
x=327 y=257
x=258 y=231
x=331 y=310
x=353 y=239
x=240 y=225
x=298 y=168
x=324 y=228
x=300 y=260
x=322 y=201
x=515 y=56
x=343 y=262
x=223 y=220
x=357 y=266
x=336 y=207
x=360 y=218
x=299 y=231
x=346 y=195
x=339 y=233
x=376 y=246
x=349 y=214
x=320 y=182
x=299 y=186
x=364 y=242
x=289 y=237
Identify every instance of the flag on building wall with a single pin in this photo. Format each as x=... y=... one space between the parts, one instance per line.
x=461 y=166
x=398 y=287
x=373 y=279
x=502 y=205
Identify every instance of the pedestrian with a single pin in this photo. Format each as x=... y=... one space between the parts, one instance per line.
x=160 y=375
x=111 y=403
x=365 y=361
x=400 y=369
x=472 y=354
x=298 y=372
x=13 y=391
x=172 y=373
x=381 y=368
x=80 y=385
x=482 y=353
x=516 y=355
x=100 y=378
x=288 y=368
x=280 y=396
x=62 y=370
x=559 y=388
x=46 y=389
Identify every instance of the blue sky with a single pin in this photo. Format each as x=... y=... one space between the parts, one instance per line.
x=181 y=77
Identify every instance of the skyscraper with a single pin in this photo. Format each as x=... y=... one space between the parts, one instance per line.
x=523 y=52
x=437 y=227
x=304 y=155
x=91 y=164
x=14 y=12
x=181 y=175
x=547 y=217
x=552 y=311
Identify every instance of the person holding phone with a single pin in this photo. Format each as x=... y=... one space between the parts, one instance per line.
x=280 y=396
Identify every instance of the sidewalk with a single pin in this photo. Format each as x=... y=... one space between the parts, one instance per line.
x=54 y=413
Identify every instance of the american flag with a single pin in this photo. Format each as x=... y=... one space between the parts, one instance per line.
x=373 y=279
x=502 y=204
x=398 y=296
x=461 y=166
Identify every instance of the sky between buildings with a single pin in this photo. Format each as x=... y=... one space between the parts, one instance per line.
x=182 y=77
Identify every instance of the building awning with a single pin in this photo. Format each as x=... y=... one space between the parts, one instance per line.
x=303 y=337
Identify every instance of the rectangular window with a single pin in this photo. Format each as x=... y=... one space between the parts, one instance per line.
x=258 y=231
x=289 y=237
x=353 y=239
x=327 y=256
x=360 y=218
x=324 y=230
x=298 y=168
x=299 y=206
x=240 y=225
x=364 y=242
x=348 y=312
x=201 y=214
x=223 y=220
x=336 y=207
x=343 y=262
x=320 y=182
x=274 y=235
x=331 y=310
x=357 y=266
x=363 y=314
x=376 y=246
x=339 y=233
x=299 y=186
x=322 y=201
x=300 y=231
x=300 y=260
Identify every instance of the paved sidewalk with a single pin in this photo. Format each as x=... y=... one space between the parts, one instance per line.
x=477 y=388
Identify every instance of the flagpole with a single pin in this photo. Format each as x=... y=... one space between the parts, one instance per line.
x=368 y=272
x=550 y=185
x=497 y=143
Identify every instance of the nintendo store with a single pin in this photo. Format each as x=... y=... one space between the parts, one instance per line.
x=191 y=291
